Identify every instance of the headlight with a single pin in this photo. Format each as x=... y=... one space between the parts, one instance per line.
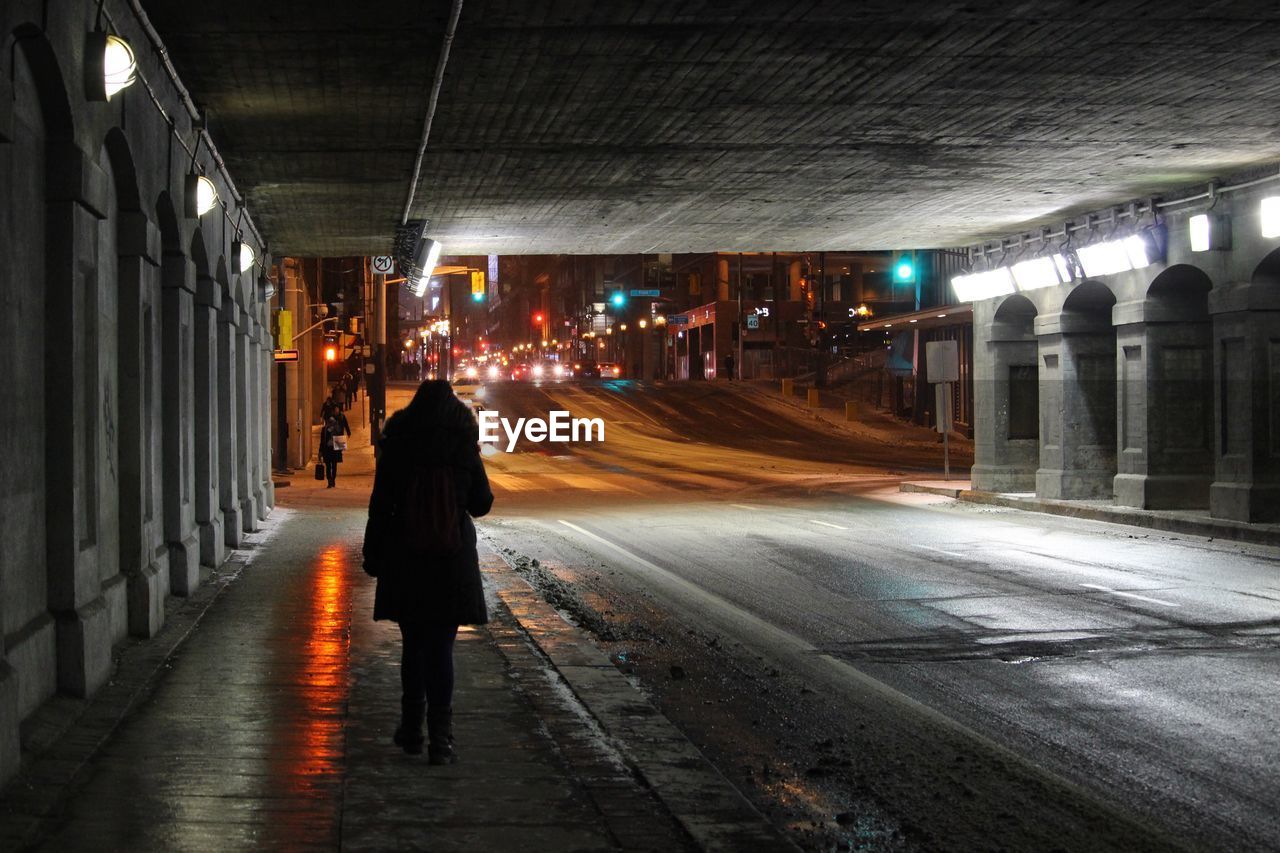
x=559 y=371
x=493 y=371
x=472 y=373
x=537 y=370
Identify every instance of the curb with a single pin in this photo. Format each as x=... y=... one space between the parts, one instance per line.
x=707 y=806
x=1217 y=528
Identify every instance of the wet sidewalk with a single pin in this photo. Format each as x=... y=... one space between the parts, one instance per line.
x=261 y=718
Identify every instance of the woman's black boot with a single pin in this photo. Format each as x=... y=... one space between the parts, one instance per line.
x=408 y=734
x=440 y=736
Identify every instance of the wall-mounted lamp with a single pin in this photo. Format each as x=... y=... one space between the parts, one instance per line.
x=1269 y=213
x=1209 y=231
x=200 y=195
x=244 y=252
x=109 y=66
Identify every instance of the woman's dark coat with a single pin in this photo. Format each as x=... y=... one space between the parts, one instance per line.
x=328 y=451
x=443 y=590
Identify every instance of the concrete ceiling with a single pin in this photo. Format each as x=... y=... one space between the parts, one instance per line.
x=697 y=125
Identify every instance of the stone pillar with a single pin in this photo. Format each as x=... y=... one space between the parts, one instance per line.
x=1165 y=427
x=244 y=420
x=1005 y=397
x=229 y=427
x=146 y=560
x=78 y=198
x=178 y=370
x=210 y=422
x=1077 y=406
x=267 y=435
x=255 y=411
x=1246 y=335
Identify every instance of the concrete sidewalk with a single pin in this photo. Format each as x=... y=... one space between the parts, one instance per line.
x=1187 y=522
x=261 y=718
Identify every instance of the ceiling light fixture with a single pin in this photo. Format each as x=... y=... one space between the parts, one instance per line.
x=425 y=258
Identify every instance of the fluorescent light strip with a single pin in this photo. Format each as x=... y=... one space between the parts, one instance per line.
x=983 y=285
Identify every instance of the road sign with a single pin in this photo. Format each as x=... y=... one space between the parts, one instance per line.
x=678 y=319
x=384 y=264
x=942 y=361
x=753 y=321
x=286 y=355
x=653 y=293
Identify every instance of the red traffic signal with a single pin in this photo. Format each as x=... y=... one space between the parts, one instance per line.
x=537 y=317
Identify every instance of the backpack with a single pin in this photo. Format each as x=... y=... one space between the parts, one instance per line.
x=431 y=516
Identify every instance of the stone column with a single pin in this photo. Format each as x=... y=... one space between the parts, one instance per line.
x=254 y=412
x=146 y=560
x=1246 y=334
x=1164 y=366
x=266 y=363
x=178 y=368
x=229 y=418
x=1077 y=406
x=1005 y=385
x=78 y=196
x=244 y=419
x=210 y=422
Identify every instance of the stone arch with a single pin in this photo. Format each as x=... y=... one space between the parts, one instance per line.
x=1180 y=292
x=38 y=487
x=167 y=222
x=1090 y=298
x=1268 y=270
x=46 y=74
x=117 y=150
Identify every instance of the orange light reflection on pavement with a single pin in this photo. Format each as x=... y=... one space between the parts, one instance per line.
x=313 y=661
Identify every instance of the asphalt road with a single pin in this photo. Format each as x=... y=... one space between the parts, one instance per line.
x=888 y=671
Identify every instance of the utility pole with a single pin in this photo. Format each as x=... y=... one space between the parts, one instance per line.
x=378 y=376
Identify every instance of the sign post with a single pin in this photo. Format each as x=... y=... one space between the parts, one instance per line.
x=942 y=359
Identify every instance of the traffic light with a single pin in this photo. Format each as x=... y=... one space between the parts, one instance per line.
x=904 y=267
x=537 y=318
x=618 y=299
x=330 y=353
x=477 y=296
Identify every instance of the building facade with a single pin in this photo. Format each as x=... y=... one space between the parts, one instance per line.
x=138 y=447
x=1156 y=387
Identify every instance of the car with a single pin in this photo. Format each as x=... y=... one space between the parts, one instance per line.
x=610 y=370
x=585 y=370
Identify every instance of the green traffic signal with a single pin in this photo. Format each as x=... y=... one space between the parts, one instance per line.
x=904 y=268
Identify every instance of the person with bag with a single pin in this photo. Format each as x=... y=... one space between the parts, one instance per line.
x=333 y=440
x=420 y=543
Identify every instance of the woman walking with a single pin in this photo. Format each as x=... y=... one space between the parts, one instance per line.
x=333 y=440
x=420 y=543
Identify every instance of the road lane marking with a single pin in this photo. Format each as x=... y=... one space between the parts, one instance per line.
x=1129 y=595
x=941 y=551
x=745 y=506
x=827 y=524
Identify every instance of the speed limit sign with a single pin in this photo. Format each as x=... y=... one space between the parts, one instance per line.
x=384 y=265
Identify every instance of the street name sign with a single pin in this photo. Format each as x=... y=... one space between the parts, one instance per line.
x=286 y=355
x=653 y=293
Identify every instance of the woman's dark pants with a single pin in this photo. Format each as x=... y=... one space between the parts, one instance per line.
x=331 y=470
x=426 y=663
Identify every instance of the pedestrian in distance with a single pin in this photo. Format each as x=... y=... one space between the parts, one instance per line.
x=333 y=441
x=327 y=408
x=339 y=395
x=420 y=543
x=729 y=364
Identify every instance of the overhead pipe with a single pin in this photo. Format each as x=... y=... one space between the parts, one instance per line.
x=436 y=85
